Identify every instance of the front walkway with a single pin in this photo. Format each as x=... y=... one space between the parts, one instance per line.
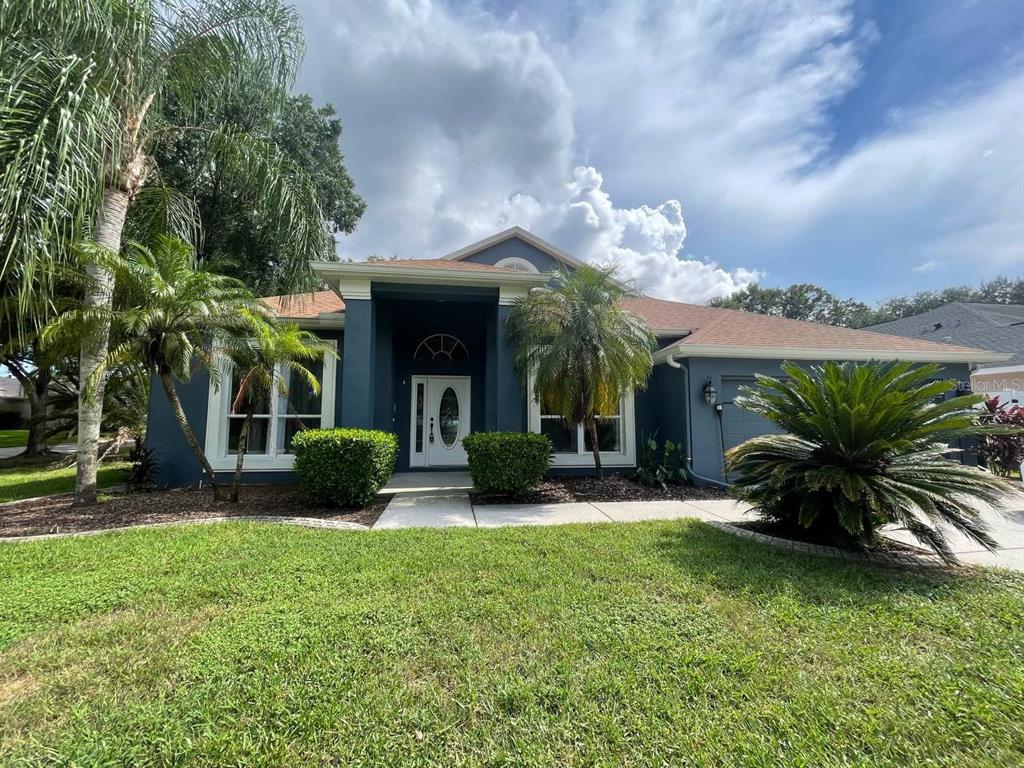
x=440 y=500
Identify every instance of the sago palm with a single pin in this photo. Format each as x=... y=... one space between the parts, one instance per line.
x=82 y=90
x=167 y=313
x=867 y=445
x=263 y=362
x=582 y=350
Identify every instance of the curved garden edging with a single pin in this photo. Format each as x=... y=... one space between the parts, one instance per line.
x=872 y=558
x=305 y=522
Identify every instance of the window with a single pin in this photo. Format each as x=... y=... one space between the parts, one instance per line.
x=517 y=265
x=571 y=444
x=441 y=346
x=276 y=420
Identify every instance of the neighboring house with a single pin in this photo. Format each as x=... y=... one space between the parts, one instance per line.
x=994 y=327
x=14 y=405
x=424 y=354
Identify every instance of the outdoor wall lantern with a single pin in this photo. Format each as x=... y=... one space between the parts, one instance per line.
x=710 y=393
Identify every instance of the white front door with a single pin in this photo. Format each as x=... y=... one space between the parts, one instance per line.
x=441 y=416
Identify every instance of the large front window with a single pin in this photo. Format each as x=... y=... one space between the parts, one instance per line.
x=571 y=444
x=276 y=420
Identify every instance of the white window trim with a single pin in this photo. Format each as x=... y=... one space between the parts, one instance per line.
x=584 y=458
x=219 y=406
x=510 y=262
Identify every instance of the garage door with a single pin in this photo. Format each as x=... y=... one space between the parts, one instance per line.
x=739 y=425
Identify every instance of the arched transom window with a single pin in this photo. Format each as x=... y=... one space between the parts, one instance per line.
x=517 y=265
x=441 y=346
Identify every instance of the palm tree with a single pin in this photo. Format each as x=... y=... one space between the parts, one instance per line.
x=581 y=348
x=263 y=364
x=167 y=311
x=867 y=445
x=81 y=95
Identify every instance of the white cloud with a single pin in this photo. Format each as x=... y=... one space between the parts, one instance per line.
x=926 y=266
x=598 y=126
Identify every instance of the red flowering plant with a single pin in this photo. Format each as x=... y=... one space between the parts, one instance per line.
x=1002 y=451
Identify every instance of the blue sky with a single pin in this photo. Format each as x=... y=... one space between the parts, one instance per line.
x=876 y=148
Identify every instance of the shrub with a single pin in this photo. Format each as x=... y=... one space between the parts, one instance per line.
x=344 y=466
x=1004 y=452
x=866 y=447
x=507 y=462
x=661 y=466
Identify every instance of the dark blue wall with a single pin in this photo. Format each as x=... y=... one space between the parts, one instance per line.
x=519 y=248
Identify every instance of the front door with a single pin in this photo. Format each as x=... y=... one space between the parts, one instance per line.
x=440 y=420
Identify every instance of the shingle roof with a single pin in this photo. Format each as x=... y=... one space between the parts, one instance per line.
x=995 y=327
x=305 y=305
x=714 y=327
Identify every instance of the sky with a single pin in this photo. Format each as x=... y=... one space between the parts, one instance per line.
x=874 y=148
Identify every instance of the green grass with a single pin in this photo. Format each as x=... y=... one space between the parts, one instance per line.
x=26 y=480
x=13 y=438
x=643 y=644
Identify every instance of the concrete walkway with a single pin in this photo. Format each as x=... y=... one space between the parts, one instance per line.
x=439 y=500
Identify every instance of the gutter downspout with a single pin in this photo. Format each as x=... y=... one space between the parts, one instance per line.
x=673 y=363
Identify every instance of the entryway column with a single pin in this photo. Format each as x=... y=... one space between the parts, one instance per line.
x=357 y=365
x=511 y=404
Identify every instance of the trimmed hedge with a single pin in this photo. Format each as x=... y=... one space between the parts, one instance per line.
x=344 y=466
x=507 y=462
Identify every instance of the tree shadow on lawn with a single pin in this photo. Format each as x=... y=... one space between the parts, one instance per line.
x=737 y=565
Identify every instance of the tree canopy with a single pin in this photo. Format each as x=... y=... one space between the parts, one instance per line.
x=806 y=301
x=238 y=236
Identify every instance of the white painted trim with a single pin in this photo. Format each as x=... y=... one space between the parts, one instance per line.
x=527 y=237
x=217 y=408
x=353 y=281
x=1000 y=369
x=511 y=262
x=813 y=353
x=507 y=294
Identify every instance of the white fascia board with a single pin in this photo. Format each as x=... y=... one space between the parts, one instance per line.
x=369 y=273
x=812 y=353
x=541 y=245
x=1001 y=369
x=325 y=320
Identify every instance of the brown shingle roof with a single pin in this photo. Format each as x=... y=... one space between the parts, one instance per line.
x=305 y=305
x=711 y=326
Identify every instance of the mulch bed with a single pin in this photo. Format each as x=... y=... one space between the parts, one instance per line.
x=805 y=536
x=56 y=515
x=557 y=490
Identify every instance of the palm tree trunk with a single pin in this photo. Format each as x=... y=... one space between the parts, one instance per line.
x=243 y=443
x=190 y=438
x=98 y=296
x=591 y=425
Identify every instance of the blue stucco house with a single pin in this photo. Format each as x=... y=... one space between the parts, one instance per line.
x=423 y=353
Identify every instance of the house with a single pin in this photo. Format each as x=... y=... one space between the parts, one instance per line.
x=423 y=354
x=14 y=405
x=993 y=327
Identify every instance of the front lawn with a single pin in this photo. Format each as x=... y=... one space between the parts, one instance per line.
x=618 y=644
x=13 y=438
x=26 y=479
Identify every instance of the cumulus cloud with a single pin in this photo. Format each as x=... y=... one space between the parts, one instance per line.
x=457 y=127
x=598 y=126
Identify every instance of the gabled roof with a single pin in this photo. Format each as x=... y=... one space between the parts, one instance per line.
x=714 y=332
x=995 y=327
x=515 y=232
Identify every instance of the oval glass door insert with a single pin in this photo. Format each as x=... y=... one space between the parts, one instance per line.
x=448 y=417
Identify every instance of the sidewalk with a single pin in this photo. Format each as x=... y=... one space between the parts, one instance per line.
x=441 y=500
